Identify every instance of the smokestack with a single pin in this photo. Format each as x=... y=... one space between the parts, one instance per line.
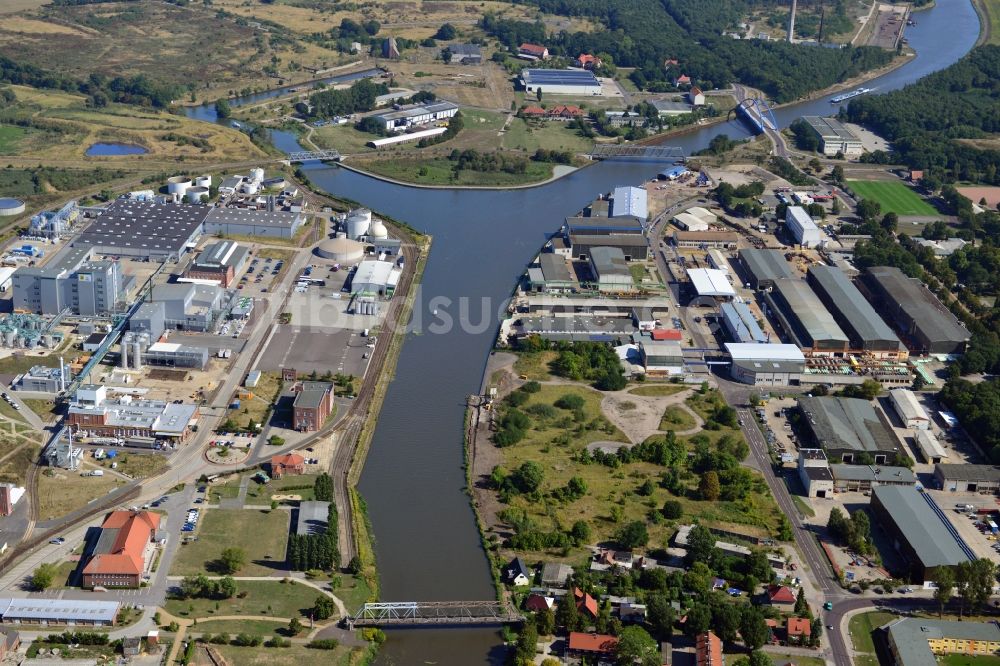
x=62 y=374
x=791 y=23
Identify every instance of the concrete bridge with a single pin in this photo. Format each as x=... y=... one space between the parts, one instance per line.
x=417 y=613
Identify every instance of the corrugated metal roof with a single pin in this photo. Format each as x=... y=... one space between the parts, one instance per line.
x=559 y=77
x=932 y=542
x=741 y=320
x=919 y=304
x=809 y=319
x=847 y=424
x=767 y=265
x=710 y=282
x=628 y=200
x=856 y=313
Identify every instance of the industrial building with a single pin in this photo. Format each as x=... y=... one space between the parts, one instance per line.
x=187 y=306
x=919 y=532
x=313 y=518
x=849 y=430
x=374 y=278
x=706 y=239
x=801 y=226
x=313 y=404
x=91 y=411
x=220 y=261
x=804 y=318
x=560 y=81
x=926 y=325
x=667 y=107
x=405 y=117
x=866 y=330
x=740 y=324
x=466 y=54
x=250 y=222
x=603 y=225
x=147 y=230
x=662 y=358
x=763 y=267
x=123 y=550
x=814 y=473
x=610 y=270
x=917 y=641
x=983 y=479
x=42 y=379
x=172 y=355
x=60 y=451
x=765 y=365
x=909 y=409
x=695 y=219
x=341 y=250
x=930 y=448
x=862 y=478
x=9 y=496
x=834 y=137
x=48 y=612
x=70 y=280
x=554 y=273
x=711 y=283
x=635 y=247
x=630 y=201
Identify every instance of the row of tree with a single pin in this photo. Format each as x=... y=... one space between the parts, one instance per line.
x=317 y=551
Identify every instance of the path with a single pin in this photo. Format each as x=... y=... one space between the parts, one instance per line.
x=643 y=420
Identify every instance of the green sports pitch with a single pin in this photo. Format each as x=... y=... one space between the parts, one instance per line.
x=893 y=196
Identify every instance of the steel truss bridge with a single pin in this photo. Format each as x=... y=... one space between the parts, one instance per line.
x=403 y=613
x=626 y=151
x=322 y=155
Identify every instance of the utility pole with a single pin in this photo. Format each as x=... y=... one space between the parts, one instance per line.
x=791 y=23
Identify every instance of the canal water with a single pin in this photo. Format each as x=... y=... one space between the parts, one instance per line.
x=427 y=545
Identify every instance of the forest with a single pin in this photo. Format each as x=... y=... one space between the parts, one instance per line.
x=646 y=34
x=923 y=120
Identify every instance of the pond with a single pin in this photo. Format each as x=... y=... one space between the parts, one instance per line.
x=114 y=149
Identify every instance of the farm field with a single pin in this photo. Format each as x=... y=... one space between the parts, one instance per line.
x=893 y=196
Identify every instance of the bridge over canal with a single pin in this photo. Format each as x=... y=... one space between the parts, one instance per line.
x=418 y=613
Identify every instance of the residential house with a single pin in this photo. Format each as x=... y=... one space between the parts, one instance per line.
x=533 y=112
x=682 y=80
x=780 y=596
x=556 y=573
x=466 y=54
x=696 y=96
x=586 y=604
x=590 y=645
x=119 y=556
x=517 y=573
x=708 y=650
x=797 y=630
x=632 y=613
x=565 y=112
x=533 y=51
x=588 y=61
x=288 y=463
x=538 y=603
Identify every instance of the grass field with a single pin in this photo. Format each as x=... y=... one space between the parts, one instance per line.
x=894 y=196
x=137 y=465
x=262 y=597
x=676 y=417
x=261 y=534
x=297 y=655
x=10 y=137
x=439 y=172
x=991 y=26
x=861 y=628
x=64 y=492
x=535 y=365
x=551 y=135
x=966 y=660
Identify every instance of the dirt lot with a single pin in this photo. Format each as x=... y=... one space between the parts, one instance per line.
x=639 y=416
x=64 y=491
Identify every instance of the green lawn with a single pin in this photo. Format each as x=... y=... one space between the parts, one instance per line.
x=676 y=417
x=265 y=628
x=966 y=660
x=530 y=135
x=861 y=628
x=798 y=660
x=439 y=172
x=10 y=137
x=262 y=597
x=894 y=196
x=261 y=534
x=297 y=655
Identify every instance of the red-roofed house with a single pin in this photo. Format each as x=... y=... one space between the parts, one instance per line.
x=797 y=629
x=588 y=61
x=708 y=650
x=772 y=630
x=583 y=645
x=118 y=559
x=916 y=175
x=533 y=51
x=586 y=603
x=666 y=334
x=289 y=463
x=780 y=595
x=671 y=62
x=533 y=112
x=567 y=112
x=696 y=96
x=682 y=80
x=538 y=603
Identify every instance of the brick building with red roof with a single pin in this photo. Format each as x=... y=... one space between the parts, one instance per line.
x=288 y=463
x=118 y=559
x=586 y=645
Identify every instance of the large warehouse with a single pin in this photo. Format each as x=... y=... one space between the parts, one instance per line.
x=711 y=282
x=919 y=533
x=635 y=247
x=801 y=226
x=834 y=137
x=374 y=278
x=968 y=478
x=763 y=267
x=249 y=222
x=604 y=226
x=804 y=319
x=560 y=81
x=611 y=271
x=925 y=324
x=630 y=201
x=864 y=327
x=414 y=115
x=740 y=323
x=849 y=429
x=145 y=229
x=765 y=365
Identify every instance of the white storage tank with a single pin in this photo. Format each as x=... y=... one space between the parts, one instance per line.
x=358 y=223
x=378 y=230
x=343 y=250
x=178 y=185
x=10 y=206
x=257 y=175
x=203 y=181
x=194 y=194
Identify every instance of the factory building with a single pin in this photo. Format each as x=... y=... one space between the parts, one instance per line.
x=662 y=358
x=834 y=137
x=926 y=325
x=866 y=330
x=220 y=261
x=560 y=81
x=51 y=612
x=695 y=219
x=909 y=409
x=91 y=411
x=915 y=641
x=172 y=355
x=814 y=473
x=983 y=479
x=635 y=247
x=930 y=448
x=801 y=226
x=374 y=278
x=849 y=430
x=249 y=222
x=187 y=306
x=70 y=280
x=149 y=318
x=610 y=270
x=42 y=379
x=862 y=478
x=740 y=323
x=147 y=230
x=711 y=283
x=706 y=239
x=917 y=531
x=804 y=319
x=554 y=273
x=403 y=118
x=763 y=267
x=602 y=225
x=765 y=365
x=629 y=201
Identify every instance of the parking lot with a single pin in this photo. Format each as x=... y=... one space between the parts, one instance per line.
x=976 y=537
x=306 y=349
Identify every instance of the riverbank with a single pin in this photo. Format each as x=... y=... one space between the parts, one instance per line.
x=989 y=21
x=558 y=171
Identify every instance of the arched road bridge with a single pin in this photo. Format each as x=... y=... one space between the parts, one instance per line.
x=416 y=613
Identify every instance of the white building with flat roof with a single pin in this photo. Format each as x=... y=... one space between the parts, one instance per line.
x=801 y=226
x=765 y=364
x=711 y=282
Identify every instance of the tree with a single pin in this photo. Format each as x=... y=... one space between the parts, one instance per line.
x=868 y=209
x=545 y=622
x=982 y=577
x=222 y=109
x=323 y=607
x=43 y=576
x=566 y=613
x=295 y=626
x=699 y=619
x=232 y=560
x=660 y=616
x=528 y=477
x=801 y=605
x=632 y=535
x=815 y=631
x=758 y=658
x=708 y=487
x=672 y=509
x=945 y=582
x=701 y=546
x=527 y=643
x=726 y=621
x=225 y=587
x=837 y=175
x=753 y=628
x=446 y=32
x=890 y=222
x=636 y=645
x=580 y=532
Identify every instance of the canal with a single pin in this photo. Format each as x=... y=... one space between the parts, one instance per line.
x=427 y=544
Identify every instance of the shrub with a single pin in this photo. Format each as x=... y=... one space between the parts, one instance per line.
x=570 y=401
x=323 y=644
x=531 y=387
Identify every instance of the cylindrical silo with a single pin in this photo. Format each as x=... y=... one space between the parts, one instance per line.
x=137 y=354
x=358 y=223
x=9 y=337
x=194 y=194
x=178 y=185
x=203 y=181
x=257 y=175
x=124 y=354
